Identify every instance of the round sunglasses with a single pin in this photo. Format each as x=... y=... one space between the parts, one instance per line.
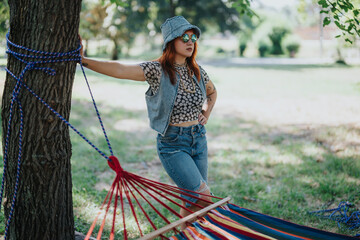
x=185 y=38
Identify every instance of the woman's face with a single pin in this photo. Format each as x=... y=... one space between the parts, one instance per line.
x=184 y=50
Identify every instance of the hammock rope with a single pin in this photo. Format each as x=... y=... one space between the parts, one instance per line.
x=341 y=214
x=126 y=186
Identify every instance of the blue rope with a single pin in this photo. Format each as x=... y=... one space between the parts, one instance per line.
x=38 y=58
x=341 y=215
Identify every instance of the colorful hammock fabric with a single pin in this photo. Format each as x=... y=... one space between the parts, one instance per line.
x=233 y=222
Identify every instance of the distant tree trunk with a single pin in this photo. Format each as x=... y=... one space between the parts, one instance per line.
x=86 y=47
x=43 y=208
x=172 y=8
x=115 y=52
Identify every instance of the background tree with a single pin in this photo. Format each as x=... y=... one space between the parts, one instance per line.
x=125 y=23
x=203 y=13
x=92 y=18
x=276 y=37
x=248 y=26
x=43 y=208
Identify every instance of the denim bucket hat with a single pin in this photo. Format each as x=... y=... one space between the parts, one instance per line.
x=175 y=27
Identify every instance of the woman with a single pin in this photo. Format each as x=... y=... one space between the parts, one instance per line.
x=179 y=100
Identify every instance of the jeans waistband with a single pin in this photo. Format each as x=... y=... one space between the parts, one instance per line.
x=181 y=130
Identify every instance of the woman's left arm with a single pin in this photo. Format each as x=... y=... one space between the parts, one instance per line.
x=211 y=95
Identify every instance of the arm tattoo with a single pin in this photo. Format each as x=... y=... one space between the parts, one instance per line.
x=85 y=64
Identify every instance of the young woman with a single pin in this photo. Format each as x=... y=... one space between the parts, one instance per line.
x=179 y=101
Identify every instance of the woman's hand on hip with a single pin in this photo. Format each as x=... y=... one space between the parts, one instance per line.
x=202 y=119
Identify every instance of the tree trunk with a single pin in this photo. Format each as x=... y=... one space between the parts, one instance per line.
x=115 y=51
x=43 y=208
x=172 y=8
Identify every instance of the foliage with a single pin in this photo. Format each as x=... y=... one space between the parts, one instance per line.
x=125 y=22
x=122 y=20
x=276 y=37
x=224 y=14
x=345 y=16
x=92 y=19
x=120 y=23
x=248 y=26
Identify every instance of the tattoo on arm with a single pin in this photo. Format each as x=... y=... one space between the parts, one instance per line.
x=85 y=64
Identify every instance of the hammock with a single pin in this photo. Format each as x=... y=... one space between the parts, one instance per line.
x=130 y=191
x=234 y=222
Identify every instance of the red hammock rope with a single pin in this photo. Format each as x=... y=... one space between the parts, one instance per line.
x=132 y=188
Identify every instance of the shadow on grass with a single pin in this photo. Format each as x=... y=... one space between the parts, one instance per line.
x=286 y=171
x=283 y=171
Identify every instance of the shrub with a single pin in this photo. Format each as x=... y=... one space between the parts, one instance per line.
x=293 y=49
x=276 y=37
x=220 y=50
x=242 y=48
x=263 y=49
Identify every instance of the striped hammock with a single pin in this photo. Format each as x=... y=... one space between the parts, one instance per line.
x=234 y=222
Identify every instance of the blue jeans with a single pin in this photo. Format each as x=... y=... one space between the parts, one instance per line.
x=183 y=153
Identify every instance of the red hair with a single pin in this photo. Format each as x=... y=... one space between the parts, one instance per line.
x=167 y=61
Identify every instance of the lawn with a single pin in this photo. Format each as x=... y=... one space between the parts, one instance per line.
x=283 y=140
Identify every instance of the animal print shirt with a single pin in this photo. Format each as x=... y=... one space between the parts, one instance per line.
x=187 y=106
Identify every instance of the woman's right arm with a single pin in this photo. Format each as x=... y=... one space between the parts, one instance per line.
x=112 y=68
x=115 y=69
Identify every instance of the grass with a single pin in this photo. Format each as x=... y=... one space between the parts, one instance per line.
x=283 y=141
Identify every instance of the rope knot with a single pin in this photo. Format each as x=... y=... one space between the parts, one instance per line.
x=114 y=164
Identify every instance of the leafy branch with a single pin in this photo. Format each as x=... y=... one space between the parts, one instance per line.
x=345 y=16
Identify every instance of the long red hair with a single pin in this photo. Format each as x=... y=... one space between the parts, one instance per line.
x=167 y=61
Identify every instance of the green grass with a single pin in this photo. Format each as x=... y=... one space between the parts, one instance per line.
x=268 y=148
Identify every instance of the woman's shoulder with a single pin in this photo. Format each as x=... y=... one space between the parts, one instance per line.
x=151 y=66
x=151 y=63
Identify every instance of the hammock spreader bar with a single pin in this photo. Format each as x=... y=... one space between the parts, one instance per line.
x=188 y=219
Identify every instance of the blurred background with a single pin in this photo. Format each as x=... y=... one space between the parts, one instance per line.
x=231 y=29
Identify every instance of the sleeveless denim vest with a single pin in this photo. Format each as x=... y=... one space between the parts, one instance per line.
x=160 y=104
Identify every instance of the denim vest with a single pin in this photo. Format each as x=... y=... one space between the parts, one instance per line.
x=160 y=104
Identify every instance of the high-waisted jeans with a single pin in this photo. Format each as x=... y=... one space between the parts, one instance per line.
x=183 y=153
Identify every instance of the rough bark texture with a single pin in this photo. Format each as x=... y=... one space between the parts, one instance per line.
x=43 y=208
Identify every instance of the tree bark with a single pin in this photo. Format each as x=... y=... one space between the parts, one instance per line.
x=43 y=208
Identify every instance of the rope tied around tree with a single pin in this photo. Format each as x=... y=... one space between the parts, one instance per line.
x=33 y=60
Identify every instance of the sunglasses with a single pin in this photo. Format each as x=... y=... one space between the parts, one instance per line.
x=185 y=38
